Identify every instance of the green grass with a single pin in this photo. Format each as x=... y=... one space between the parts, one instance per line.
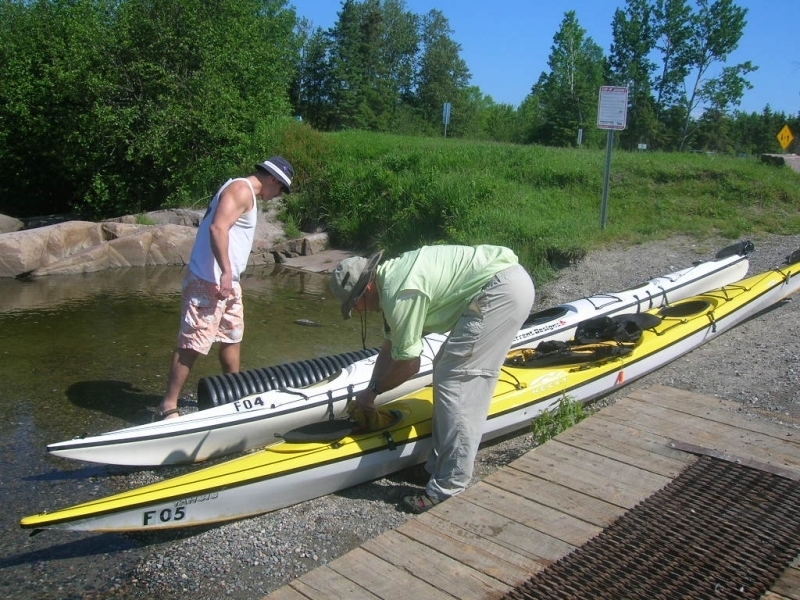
x=143 y=219
x=378 y=190
x=559 y=418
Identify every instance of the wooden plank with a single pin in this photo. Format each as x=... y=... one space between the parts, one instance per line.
x=585 y=481
x=550 y=521
x=593 y=475
x=788 y=584
x=727 y=456
x=634 y=477
x=502 y=530
x=437 y=569
x=652 y=441
x=579 y=505
x=447 y=529
x=382 y=578
x=285 y=593
x=716 y=409
x=670 y=423
x=474 y=556
x=713 y=435
x=540 y=507
x=601 y=439
x=323 y=583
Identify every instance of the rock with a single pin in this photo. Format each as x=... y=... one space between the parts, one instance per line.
x=790 y=160
x=24 y=251
x=173 y=216
x=324 y=261
x=306 y=246
x=261 y=254
x=9 y=224
x=74 y=246
x=150 y=246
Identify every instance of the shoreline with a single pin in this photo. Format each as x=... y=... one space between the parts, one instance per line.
x=324 y=261
x=756 y=364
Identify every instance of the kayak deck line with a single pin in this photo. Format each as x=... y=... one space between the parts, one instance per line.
x=272 y=478
x=262 y=418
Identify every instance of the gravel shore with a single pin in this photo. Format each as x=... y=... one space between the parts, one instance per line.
x=757 y=364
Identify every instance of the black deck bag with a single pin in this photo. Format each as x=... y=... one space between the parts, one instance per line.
x=619 y=328
x=595 y=339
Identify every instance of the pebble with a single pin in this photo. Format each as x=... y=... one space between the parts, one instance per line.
x=754 y=364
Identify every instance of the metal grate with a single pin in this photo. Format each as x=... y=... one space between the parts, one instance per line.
x=719 y=530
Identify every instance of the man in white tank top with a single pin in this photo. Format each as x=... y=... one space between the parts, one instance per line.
x=212 y=297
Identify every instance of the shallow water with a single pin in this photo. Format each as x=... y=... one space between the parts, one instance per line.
x=90 y=353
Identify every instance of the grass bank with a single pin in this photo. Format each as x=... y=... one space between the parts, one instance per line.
x=374 y=190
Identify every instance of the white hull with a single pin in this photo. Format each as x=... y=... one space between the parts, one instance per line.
x=285 y=474
x=260 y=419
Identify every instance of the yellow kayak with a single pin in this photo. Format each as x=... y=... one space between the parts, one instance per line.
x=287 y=473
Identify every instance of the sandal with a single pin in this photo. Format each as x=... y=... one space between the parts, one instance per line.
x=420 y=503
x=161 y=416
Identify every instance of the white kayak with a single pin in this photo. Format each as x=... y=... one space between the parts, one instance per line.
x=289 y=472
x=261 y=419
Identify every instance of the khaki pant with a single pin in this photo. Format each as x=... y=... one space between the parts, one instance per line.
x=465 y=374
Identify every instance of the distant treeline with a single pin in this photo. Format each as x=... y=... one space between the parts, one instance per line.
x=121 y=106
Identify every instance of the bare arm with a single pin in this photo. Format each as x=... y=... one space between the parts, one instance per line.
x=387 y=374
x=236 y=200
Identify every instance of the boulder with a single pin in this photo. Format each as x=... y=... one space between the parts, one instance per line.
x=304 y=246
x=26 y=250
x=9 y=224
x=261 y=255
x=149 y=246
x=173 y=216
x=83 y=247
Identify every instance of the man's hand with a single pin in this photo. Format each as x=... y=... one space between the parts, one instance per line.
x=365 y=399
x=225 y=288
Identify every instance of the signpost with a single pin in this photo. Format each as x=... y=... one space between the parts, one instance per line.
x=446 y=116
x=612 y=115
x=785 y=137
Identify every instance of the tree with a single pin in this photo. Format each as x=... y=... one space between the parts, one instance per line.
x=55 y=119
x=630 y=66
x=354 y=49
x=399 y=50
x=112 y=106
x=314 y=88
x=569 y=92
x=203 y=77
x=442 y=75
x=673 y=30
x=717 y=29
x=372 y=53
x=500 y=121
x=531 y=116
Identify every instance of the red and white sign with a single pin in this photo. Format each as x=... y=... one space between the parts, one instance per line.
x=612 y=109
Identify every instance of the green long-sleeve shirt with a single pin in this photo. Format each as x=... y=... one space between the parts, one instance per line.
x=427 y=290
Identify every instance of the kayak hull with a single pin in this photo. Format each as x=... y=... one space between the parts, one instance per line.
x=287 y=473
x=261 y=419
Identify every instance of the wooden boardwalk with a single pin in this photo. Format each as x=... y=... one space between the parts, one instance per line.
x=520 y=519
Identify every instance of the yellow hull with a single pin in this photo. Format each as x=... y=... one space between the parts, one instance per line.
x=287 y=473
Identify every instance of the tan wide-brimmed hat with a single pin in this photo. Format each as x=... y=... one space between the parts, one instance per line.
x=350 y=279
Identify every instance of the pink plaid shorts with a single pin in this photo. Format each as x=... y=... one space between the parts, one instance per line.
x=206 y=319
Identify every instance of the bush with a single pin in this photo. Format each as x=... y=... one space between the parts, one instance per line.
x=560 y=418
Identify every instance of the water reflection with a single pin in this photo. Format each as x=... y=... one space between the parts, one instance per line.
x=101 y=342
x=90 y=353
x=51 y=292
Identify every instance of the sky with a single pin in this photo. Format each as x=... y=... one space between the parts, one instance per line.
x=506 y=43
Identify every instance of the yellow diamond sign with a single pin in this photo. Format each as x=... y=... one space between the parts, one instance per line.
x=785 y=137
